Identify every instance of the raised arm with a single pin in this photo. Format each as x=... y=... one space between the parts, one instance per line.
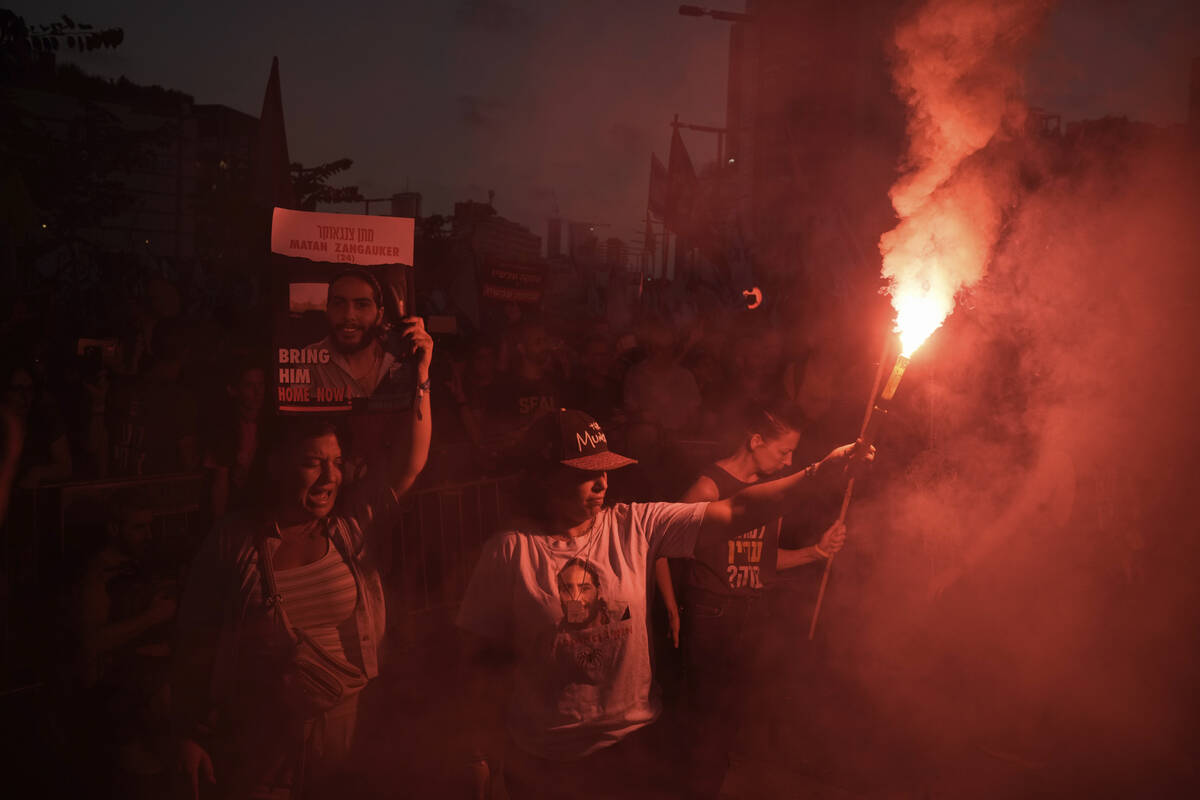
x=756 y=505
x=411 y=460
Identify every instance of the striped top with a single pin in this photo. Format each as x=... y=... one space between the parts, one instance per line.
x=319 y=598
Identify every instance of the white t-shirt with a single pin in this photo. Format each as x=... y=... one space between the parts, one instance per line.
x=575 y=615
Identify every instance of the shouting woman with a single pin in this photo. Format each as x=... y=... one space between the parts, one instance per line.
x=283 y=613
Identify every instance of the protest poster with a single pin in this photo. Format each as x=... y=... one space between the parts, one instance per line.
x=507 y=281
x=346 y=282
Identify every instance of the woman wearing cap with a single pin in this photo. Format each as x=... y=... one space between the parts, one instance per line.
x=560 y=599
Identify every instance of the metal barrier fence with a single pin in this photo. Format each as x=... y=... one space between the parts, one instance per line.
x=46 y=535
x=432 y=551
x=437 y=541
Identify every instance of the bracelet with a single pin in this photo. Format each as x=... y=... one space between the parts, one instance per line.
x=821 y=552
x=422 y=389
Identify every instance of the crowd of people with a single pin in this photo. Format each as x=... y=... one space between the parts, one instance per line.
x=233 y=666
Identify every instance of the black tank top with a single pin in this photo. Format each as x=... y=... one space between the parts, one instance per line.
x=738 y=567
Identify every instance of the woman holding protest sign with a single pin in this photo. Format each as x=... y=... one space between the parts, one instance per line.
x=283 y=613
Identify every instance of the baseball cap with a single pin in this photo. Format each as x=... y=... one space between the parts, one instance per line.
x=573 y=439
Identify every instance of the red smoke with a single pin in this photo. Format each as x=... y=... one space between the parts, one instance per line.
x=1022 y=584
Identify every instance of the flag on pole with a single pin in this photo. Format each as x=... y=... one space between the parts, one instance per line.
x=681 y=185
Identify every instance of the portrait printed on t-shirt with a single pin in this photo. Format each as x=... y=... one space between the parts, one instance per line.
x=593 y=629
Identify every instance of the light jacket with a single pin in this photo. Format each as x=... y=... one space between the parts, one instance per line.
x=224 y=623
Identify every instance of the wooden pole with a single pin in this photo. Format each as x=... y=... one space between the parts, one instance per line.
x=883 y=359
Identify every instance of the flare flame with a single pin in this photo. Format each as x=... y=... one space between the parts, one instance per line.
x=958 y=71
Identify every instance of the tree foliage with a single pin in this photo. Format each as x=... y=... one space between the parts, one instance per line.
x=60 y=181
x=312 y=187
x=20 y=42
x=77 y=36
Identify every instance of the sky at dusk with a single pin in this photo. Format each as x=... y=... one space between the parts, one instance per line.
x=554 y=105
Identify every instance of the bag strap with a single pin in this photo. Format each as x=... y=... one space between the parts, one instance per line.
x=266 y=571
x=274 y=602
x=271 y=596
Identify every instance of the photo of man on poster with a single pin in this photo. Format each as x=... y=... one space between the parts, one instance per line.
x=359 y=321
x=346 y=284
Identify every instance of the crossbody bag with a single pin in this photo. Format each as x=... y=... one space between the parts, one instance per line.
x=313 y=680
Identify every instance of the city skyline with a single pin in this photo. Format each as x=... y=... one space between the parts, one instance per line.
x=550 y=105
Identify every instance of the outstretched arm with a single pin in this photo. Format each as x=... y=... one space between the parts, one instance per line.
x=755 y=505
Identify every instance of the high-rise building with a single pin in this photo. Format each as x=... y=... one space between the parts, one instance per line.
x=582 y=242
x=554 y=237
x=140 y=139
x=406 y=204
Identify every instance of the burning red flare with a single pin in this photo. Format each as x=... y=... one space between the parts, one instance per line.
x=958 y=73
x=918 y=315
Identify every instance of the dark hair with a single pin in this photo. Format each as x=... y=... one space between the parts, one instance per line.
x=358 y=273
x=294 y=431
x=601 y=605
x=239 y=366
x=773 y=422
x=584 y=565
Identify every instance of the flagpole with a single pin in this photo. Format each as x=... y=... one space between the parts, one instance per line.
x=647 y=256
x=666 y=254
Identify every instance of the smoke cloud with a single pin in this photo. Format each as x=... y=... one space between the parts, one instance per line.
x=1020 y=596
x=958 y=69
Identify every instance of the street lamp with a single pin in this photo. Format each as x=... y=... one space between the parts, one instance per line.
x=723 y=16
